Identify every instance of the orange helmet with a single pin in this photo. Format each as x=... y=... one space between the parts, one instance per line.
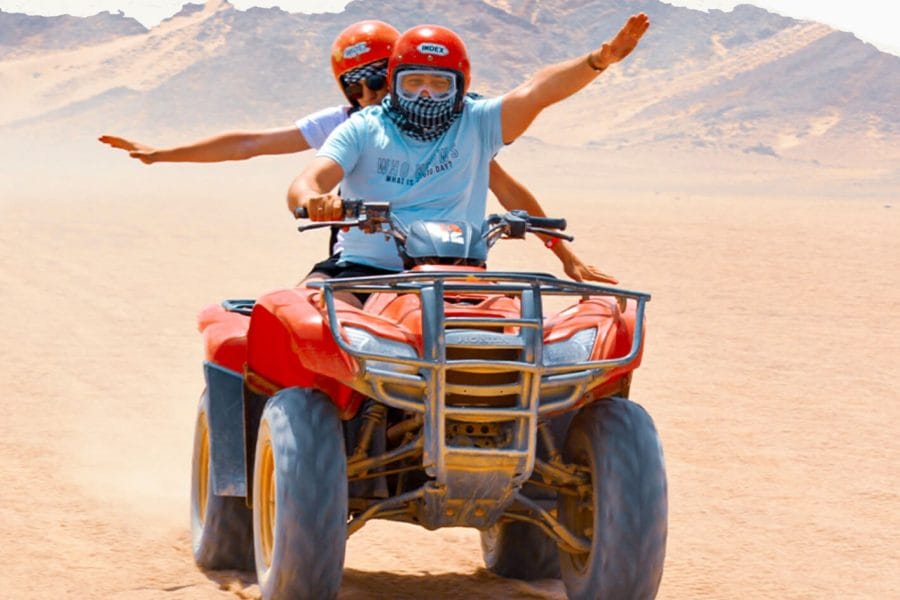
x=360 y=44
x=431 y=47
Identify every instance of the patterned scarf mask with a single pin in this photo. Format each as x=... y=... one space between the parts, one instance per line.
x=374 y=69
x=422 y=118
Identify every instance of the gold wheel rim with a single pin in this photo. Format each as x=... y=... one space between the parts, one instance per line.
x=203 y=470
x=267 y=488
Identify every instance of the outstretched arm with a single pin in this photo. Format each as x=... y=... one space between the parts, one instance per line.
x=513 y=195
x=236 y=145
x=311 y=189
x=558 y=82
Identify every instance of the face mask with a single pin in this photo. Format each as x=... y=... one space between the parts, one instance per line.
x=427 y=113
x=373 y=75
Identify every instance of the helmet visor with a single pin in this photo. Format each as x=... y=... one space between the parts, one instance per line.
x=437 y=85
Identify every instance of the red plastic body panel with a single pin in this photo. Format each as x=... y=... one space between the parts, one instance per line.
x=290 y=344
x=615 y=327
x=614 y=337
x=287 y=341
x=404 y=310
x=224 y=336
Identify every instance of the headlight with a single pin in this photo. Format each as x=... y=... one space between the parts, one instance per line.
x=363 y=341
x=576 y=349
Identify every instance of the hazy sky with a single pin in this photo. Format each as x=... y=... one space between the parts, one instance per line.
x=875 y=21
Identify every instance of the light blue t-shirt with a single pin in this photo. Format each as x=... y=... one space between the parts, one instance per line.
x=442 y=179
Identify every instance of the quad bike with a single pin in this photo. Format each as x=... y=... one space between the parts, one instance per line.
x=449 y=400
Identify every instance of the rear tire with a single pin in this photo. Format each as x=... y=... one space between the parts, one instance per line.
x=300 y=497
x=627 y=513
x=519 y=550
x=221 y=526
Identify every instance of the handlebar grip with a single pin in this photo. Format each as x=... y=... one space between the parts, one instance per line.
x=547 y=223
x=301 y=213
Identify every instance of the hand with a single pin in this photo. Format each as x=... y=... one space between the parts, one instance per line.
x=142 y=152
x=579 y=271
x=326 y=207
x=625 y=41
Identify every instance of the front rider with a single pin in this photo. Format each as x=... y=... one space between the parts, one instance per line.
x=427 y=149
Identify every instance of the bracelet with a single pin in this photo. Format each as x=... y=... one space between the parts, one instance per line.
x=551 y=242
x=592 y=64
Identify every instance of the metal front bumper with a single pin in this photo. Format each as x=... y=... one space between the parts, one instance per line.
x=473 y=484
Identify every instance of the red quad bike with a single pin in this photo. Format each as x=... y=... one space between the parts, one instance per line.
x=449 y=400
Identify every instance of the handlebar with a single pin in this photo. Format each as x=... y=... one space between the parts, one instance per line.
x=372 y=216
x=547 y=223
x=368 y=216
x=352 y=210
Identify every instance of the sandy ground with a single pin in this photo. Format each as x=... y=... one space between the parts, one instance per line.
x=771 y=370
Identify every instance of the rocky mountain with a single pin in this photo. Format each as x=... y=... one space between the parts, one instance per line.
x=746 y=80
x=25 y=34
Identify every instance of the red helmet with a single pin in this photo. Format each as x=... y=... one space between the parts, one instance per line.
x=362 y=43
x=431 y=47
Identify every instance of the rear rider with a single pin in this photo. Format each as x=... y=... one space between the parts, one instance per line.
x=359 y=58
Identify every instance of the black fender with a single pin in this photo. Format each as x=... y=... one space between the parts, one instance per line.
x=226 y=430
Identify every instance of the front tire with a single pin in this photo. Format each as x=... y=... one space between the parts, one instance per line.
x=221 y=526
x=300 y=497
x=626 y=513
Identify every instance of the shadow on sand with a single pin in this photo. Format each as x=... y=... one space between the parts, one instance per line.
x=375 y=585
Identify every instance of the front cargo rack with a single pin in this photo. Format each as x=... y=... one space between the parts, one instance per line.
x=420 y=385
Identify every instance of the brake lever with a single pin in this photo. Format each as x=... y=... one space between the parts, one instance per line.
x=551 y=233
x=321 y=224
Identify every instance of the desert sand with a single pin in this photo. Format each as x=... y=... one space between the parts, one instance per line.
x=771 y=370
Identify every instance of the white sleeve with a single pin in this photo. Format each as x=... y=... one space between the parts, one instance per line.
x=316 y=127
